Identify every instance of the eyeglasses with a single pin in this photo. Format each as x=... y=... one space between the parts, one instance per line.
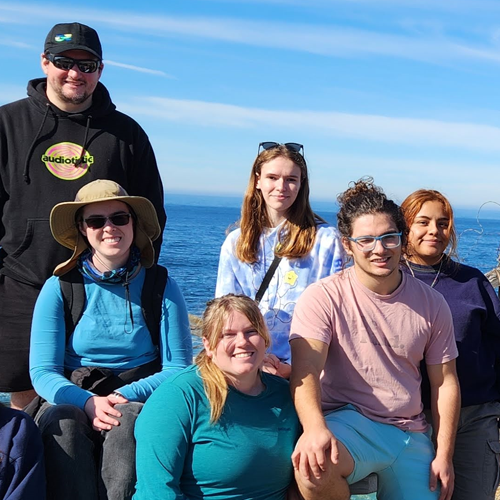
x=66 y=63
x=295 y=147
x=99 y=221
x=367 y=243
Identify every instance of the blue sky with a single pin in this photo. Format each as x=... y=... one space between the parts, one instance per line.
x=406 y=91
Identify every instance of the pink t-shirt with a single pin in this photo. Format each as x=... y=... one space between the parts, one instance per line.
x=376 y=343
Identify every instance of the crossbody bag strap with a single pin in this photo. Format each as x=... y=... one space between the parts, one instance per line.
x=267 y=278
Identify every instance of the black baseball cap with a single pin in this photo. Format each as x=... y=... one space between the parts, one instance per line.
x=73 y=36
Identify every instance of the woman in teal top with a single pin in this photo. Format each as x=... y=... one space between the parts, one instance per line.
x=221 y=429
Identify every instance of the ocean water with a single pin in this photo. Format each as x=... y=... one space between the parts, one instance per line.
x=197 y=226
x=196 y=229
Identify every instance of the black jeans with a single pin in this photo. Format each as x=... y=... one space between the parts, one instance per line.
x=83 y=464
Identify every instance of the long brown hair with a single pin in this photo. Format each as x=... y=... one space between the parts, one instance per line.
x=297 y=234
x=411 y=207
x=214 y=318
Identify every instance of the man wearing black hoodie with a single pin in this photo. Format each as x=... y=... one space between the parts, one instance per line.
x=65 y=134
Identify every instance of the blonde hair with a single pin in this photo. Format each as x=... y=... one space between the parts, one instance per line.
x=214 y=318
x=298 y=234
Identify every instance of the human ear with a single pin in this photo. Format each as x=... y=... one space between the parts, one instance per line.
x=206 y=345
x=44 y=62
x=347 y=245
x=81 y=229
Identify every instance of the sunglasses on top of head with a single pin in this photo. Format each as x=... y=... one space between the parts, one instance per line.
x=295 y=147
x=99 y=221
x=66 y=63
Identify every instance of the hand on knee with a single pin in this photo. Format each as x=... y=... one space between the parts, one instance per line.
x=331 y=485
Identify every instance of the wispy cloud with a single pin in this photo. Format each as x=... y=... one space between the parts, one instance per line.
x=446 y=5
x=480 y=54
x=327 y=40
x=18 y=45
x=386 y=129
x=137 y=68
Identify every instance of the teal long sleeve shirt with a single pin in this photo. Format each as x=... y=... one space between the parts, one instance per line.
x=244 y=456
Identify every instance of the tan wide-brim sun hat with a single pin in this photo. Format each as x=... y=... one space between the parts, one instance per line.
x=65 y=228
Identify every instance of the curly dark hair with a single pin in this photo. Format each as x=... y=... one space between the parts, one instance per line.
x=362 y=198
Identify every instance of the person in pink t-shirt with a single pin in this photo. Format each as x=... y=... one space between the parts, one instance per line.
x=357 y=340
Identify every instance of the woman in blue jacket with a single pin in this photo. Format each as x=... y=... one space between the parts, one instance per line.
x=95 y=378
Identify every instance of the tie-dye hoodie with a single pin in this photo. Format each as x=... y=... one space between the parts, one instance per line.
x=289 y=280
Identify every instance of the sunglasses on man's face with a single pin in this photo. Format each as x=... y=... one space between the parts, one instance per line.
x=66 y=63
x=291 y=146
x=99 y=221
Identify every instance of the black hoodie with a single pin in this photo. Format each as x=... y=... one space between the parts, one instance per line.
x=46 y=156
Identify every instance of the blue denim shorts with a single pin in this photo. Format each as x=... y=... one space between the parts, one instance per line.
x=401 y=459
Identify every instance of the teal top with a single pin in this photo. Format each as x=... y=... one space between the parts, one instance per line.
x=244 y=456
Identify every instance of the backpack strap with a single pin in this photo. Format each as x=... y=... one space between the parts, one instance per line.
x=73 y=294
x=152 y=299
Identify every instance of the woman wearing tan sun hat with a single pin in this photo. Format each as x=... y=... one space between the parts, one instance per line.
x=95 y=378
x=67 y=233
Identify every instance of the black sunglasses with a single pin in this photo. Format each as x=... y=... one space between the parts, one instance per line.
x=98 y=221
x=291 y=146
x=66 y=63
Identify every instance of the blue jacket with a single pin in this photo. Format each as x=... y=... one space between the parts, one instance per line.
x=22 y=470
x=475 y=309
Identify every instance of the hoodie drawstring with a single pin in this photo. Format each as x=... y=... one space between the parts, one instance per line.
x=26 y=173
x=129 y=303
x=82 y=154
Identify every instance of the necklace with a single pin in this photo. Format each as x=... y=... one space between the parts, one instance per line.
x=437 y=274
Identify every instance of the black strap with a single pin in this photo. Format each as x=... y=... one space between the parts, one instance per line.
x=267 y=278
x=152 y=299
x=73 y=294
